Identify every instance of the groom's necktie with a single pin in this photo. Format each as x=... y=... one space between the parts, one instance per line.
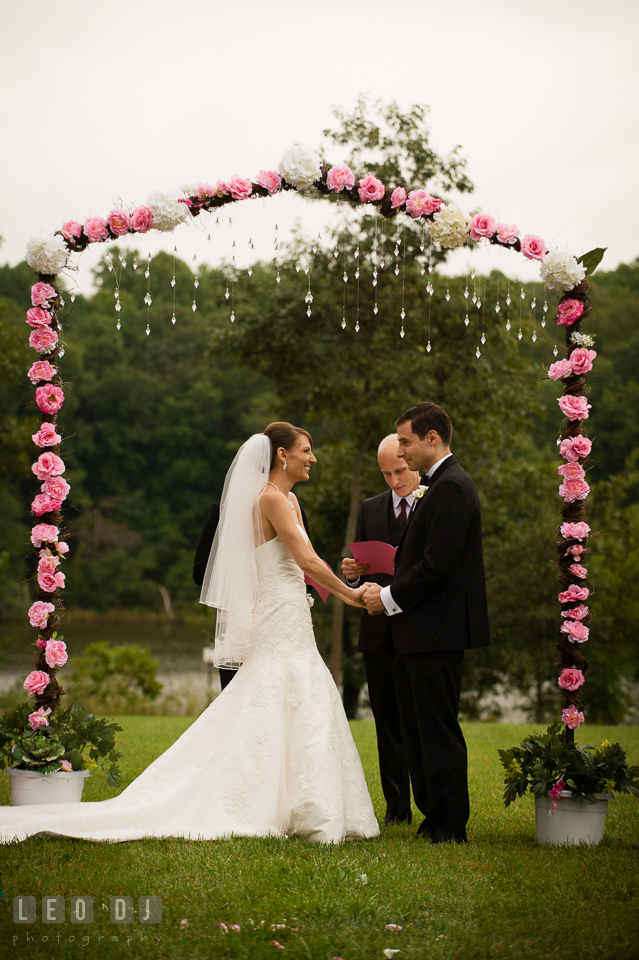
x=401 y=516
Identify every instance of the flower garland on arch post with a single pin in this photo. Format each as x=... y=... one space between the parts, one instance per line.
x=301 y=169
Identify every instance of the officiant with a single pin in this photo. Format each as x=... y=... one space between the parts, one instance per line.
x=383 y=518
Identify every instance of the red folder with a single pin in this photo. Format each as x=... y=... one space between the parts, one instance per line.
x=379 y=556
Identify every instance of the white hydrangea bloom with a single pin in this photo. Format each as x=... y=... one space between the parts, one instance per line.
x=450 y=226
x=47 y=253
x=167 y=212
x=300 y=167
x=189 y=189
x=560 y=270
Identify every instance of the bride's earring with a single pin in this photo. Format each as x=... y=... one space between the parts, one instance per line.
x=284 y=467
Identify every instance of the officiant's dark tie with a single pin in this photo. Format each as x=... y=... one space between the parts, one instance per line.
x=401 y=516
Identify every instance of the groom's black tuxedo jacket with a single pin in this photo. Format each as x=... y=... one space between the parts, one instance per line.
x=376 y=521
x=439 y=580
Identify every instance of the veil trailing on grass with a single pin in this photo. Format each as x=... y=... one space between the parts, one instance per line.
x=231 y=580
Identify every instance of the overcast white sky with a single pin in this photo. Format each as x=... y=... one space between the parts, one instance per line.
x=111 y=100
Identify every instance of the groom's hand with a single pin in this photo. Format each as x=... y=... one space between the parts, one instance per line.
x=371 y=598
x=353 y=571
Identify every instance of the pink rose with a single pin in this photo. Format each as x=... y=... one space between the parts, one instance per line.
x=575 y=630
x=71 y=230
x=581 y=360
x=50 y=582
x=39 y=718
x=575 y=551
x=36 y=682
x=578 y=571
x=570 y=679
x=43 y=503
x=572 y=490
x=46 y=436
x=482 y=225
x=533 y=247
x=222 y=188
x=205 y=190
x=576 y=613
x=576 y=531
x=569 y=312
x=560 y=369
x=240 y=188
x=63 y=547
x=48 y=465
x=49 y=398
x=37 y=317
x=370 y=188
x=421 y=204
x=56 y=653
x=574 y=593
x=41 y=370
x=507 y=232
x=43 y=339
x=42 y=293
x=44 y=533
x=141 y=220
x=572 y=717
x=575 y=408
x=575 y=448
x=56 y=487
x=95 y=228
x=571 y=471
x=39 y=613
x=270 y=180
x=398 y=197
x=66 y=766
x=47 y=562
x=340 y=177
x=119 y=222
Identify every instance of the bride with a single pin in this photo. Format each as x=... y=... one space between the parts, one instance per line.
x=273 y=755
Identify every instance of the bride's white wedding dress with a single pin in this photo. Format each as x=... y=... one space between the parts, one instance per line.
x=273 y=755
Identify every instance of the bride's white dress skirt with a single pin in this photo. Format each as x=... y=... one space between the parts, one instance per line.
x=273 y=755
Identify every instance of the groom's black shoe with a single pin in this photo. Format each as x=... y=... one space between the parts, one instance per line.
x=425 y=831
x=443 y=835
x=392 y=818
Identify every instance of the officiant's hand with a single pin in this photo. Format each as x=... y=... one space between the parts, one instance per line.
x=353 y=570
x=371 y=599
x=355 y=598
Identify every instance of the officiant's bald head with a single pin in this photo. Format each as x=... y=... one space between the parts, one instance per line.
x=395 y=471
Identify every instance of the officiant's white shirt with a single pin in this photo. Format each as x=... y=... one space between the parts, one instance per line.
x=385 y=594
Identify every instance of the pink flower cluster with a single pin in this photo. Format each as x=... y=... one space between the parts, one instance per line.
x=39 y=718
x=575 y=630
x=578 y=571
x=575 y=408
x=370 y=189
x=569 y=312
x=43 y=339
x=575 y=531
x=49 y=398
x=48 y=465
x=340 y=178
x=270 y=180
x=41 y=293
x=533 y=247
x=55 y=653
x=575 y=551
x=572 y=717
x=574 y=593
x=118 y=224
x=39 y=614
x=575 y=448
x=578 y=363
x=576 y=613
x=44 y=533
x=574 y=486
x=555 y=792
x=41 y=370
x=570 y=679
x=421 y=204
x=37 y=317
x=46 y=436
x=36 y=682
x=482 y=225
x=398 y=197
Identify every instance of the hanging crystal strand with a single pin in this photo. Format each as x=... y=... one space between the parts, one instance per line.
x=336 y=253
x=173 y=318
x=403 y=313
x=398 y=240
x=483 y=318
x=196 y=282
x=147 y=297
x=520 y=332
x=374 y=262
x=533 y=307
x=357 y=300
x=428 y=346
x=116 y=294
x=508 y=300
x=497 y=304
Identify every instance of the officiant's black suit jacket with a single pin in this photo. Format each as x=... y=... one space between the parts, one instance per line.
x=439 y=580
x=376 y=521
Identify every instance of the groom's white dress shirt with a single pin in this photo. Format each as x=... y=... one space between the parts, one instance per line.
x=385 y=594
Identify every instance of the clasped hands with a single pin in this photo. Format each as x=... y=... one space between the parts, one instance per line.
x=367 y=596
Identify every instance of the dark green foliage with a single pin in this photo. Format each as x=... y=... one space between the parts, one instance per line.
x=103 y=672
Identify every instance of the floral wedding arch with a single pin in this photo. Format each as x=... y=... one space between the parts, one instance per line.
x=449 y=226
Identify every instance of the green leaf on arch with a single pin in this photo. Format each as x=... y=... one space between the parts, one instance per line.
x=592 y=259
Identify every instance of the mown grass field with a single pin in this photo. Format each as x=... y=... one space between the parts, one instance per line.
x=503 y=896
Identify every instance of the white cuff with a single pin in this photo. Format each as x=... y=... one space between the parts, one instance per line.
x=387 y=599
x=353 y=584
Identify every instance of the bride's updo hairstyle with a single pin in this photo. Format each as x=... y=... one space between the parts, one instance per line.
x=282 y=434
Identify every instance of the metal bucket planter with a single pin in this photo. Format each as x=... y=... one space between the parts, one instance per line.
x=573 y=821
x=28 y=786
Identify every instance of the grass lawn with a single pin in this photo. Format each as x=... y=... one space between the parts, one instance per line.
x=502 y=896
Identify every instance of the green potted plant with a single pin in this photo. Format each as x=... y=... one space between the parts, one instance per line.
x=572 y=784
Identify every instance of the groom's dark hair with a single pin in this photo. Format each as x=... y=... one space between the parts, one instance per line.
x=427 y=416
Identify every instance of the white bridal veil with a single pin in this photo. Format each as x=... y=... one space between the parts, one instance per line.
x=231 y=582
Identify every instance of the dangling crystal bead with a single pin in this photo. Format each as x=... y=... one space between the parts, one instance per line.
x=507 y=324
x=117 y=293
x=403 y=313
x=520 y=334
x=555 y=351
x=375 y=309
x=466 y=293
x=308 y=310
x=422 y=270
x=226 y=293
x=533 y=303
x=148 y=329
x=208 y=239
x=194 y=306
x=278 y=278
x=298 y=266
x=523 y=294
x=466 y=320
x=430 y=268
x=147 y=273
x=314 y=248
x=356 y=253
x=61 y=303
x=232 y=316
x=401 y=333
x=472 y=274
x=374 y=283
x=474 y=298
x=478 y=353
x=118 y=325
x=306 y=269
x=196 y=283
x=478 y=304
x=73 y=298
x=135 y=263
x=543 y=323
x=508 y=300
x=396 y=269
x=448 y=295
x=357 y=274
x=357 y=327
x=343 y=324
x=250 y=271
x=428 y=347
x=109 y=266
x=172 y=281
x=497 y=307
x=430 y=290
x=173 y=318
x=545 y=307
x=308 y=298
x=421 y=246
x=396 y=250
x=61 y=352
x=534 y=337
x=336 y=254
x=483 y=338
x=118 y=306
x=345 y=277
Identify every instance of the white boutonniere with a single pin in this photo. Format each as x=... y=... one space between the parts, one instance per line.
x=420 y=491
x=310 y=599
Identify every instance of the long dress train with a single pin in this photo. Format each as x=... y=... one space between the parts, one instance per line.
x=273 y=755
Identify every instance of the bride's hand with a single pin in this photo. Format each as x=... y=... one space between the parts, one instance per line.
x=354 y=598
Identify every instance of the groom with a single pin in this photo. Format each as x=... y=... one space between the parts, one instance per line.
x=437 y=607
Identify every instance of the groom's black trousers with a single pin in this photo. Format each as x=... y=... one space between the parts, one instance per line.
x=428 y=689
